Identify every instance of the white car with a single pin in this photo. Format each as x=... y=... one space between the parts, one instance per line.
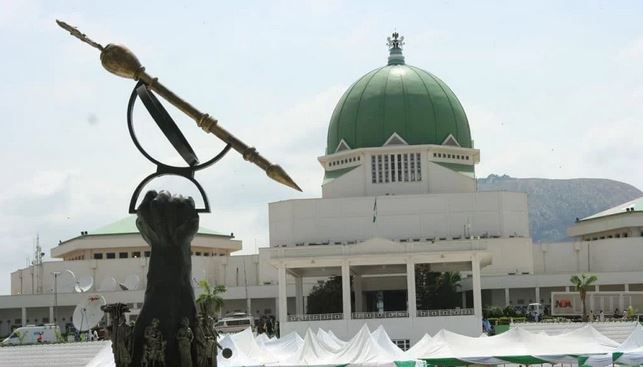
x=32 y=334
x=234 y=323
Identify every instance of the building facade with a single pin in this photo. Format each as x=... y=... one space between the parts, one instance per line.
x=399 y=192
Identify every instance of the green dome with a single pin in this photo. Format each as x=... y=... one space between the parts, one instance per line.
x=397 y=98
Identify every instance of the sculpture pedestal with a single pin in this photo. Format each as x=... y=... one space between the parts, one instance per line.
x=168 y=330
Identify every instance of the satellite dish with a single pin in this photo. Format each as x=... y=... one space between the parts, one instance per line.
x=66 y=281
x=88 y=313
x=108 y=285
x=131 y=283
x=84 y=284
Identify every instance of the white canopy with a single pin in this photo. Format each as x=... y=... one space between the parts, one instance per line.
x=517 y=346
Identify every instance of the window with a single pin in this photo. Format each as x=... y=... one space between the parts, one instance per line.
x=122 y=255
x=110 y=255
x=373 y=170
x=98 y=256
x=403 y=344
x=136 y=254
x=387 y=168
x=198 y=253
x=148 y=253
x=206 y=254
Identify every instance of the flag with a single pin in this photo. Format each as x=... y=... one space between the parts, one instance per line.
x=375 y=210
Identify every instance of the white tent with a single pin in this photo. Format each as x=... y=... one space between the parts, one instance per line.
x=514 y=346
x=630 y=352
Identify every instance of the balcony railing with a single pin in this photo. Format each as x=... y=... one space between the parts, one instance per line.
x=382 y=315
x=379 y=315
x=316 y=317
x=449 y=312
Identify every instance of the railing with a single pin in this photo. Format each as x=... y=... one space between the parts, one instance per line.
x=316 y=317
x=379 y=315
x=449 y=312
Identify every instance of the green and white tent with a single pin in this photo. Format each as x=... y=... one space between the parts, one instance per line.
x=629 y=353
x=517 y=346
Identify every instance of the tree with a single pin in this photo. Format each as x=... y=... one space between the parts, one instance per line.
x=582 y=283
x=326 y=297
x=210 y=301
x=436 y=290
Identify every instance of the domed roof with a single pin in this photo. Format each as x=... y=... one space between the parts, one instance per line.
x=397 y=98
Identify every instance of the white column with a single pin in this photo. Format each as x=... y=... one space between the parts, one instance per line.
x=282 y=300
x=410 y=288
x=477 y=285
x=464 y=299
x=24 y=316
x=597 y=288
x=537 y=295
x=626 y=287
x=299 y=295
x=507 y=297
x=249 y=305
x=357 y=289
x=51 y=314
x=346 y=291
x=566 y=288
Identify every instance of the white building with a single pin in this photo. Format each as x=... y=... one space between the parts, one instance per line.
x=399 y=192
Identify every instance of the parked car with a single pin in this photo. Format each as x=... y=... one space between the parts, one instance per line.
x=234 y=323
x=32 y=334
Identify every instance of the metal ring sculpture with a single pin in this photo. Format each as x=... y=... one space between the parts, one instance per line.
x=176 y=138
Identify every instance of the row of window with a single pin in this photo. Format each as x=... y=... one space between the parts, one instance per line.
x=404 y=167
x=344 y=161
x=617 y=235
x=121 y=255
x=136 y=254
x=451 y=156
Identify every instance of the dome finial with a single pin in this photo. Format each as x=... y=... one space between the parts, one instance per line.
x=395 y=43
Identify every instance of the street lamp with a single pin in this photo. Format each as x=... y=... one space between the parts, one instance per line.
x=55 y=274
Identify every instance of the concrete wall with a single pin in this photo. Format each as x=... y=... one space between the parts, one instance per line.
x=610 y=255
x=434 y=178
x=435 y=216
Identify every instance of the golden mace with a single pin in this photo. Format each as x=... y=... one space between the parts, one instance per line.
x=119 y=60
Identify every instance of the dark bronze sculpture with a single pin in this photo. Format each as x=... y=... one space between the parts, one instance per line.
x=120 y=334
x=154 y=346
x=168 y=330
x=185 y=337
x=119 y=60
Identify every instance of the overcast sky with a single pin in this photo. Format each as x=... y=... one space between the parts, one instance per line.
x=552 y=89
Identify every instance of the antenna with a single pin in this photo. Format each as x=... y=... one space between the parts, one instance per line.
x=88 y=314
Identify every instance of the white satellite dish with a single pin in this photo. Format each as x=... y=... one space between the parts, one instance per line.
x=88 y=313
x=108 y=285
x=84 y=284
x=66 y=281
x=131 y=283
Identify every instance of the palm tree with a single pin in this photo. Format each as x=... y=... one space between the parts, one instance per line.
x=582 y=284
x=210 y=301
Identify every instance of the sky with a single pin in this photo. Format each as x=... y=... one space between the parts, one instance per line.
x=552 y=89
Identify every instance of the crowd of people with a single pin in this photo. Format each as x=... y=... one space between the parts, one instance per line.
x=266 y=324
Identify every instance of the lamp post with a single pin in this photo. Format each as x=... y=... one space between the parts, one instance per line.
x=55 y=274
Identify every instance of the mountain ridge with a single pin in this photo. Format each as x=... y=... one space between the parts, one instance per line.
x=554 y=204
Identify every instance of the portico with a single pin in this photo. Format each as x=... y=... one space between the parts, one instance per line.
x=373 y=267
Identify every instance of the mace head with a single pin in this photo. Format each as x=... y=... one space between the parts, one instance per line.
x=119 y=60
